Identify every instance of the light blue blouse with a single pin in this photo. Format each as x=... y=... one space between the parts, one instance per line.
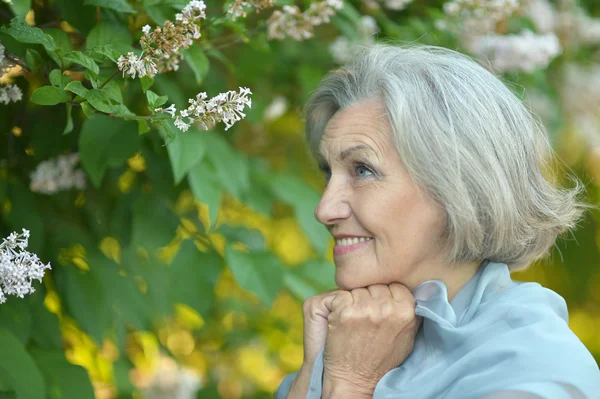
x=496 y=336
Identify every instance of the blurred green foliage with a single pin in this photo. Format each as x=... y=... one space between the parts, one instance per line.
x=199 y=246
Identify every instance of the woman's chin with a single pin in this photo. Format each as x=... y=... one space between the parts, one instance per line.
x=348 y=282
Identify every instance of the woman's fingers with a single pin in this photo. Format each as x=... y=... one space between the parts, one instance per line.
x=380 y=291
x=401 y=293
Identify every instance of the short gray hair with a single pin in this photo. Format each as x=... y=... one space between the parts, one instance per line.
x=467 y=141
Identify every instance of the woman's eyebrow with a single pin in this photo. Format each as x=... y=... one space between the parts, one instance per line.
x=358 y=148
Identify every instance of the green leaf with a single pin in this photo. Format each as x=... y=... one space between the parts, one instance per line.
x=154 y=100
x=117 y=5
x=146 y=82
x=100 y=100
x=106 y=142
x=57 y=78
x=88 y=110
x=76 y=14
x=34 y=60
x=260 y=273
x=185 y=151
x=18 y=371
x=303 y=198
x=107 y=33
x=77 y=57
x=76 y=87
x=310 y=279
x=63 y=379
x=206 y=187
x=194 y=275
x=100 y=53
x=69 y=125
x=143 y=127
x=198 y=62
x=20 y=7
x=86 y=302
x=231 y=166
x=27 y=34
x=251 y=238
x=49 y=95
x=15 y=316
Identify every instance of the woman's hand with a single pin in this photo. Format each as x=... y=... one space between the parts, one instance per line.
x=315 y=313
x=371 y=331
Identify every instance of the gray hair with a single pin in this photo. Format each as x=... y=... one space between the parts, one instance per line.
x=467 y=141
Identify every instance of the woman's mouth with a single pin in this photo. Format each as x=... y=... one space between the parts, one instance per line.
x=349 y=244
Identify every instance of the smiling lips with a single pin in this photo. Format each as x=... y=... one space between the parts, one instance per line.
x=349 y=244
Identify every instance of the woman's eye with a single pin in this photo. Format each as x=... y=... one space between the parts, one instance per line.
x=362 y=170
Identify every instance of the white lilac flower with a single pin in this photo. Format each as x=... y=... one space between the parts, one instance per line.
x=276 y=109
x=237 y=8
x=161 y=47
x=171 y=381
x=1 y=53
x=477 y=17
x=342 y=49
x=512 y=53
x=225 y=107
x=396 y=4
x=57 y=174
x=10 y=93
x=542 y=14
x=291 y=22
x=18 y=267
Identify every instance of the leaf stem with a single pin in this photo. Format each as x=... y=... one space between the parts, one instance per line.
x=137 y=117
x=109 y=79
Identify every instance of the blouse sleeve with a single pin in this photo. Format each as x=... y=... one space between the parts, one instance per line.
x=539 y=390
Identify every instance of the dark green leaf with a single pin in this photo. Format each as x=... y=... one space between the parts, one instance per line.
x=260 y=273
x=34 y=60
x=117 y=5
x=107 y=33
x=49 y=95
x=76 y=14
x=146 y=82
x=77 y=57
x=86 y=302
x=206 y=187
x=20 y=7
x=198 y=62
x=27 y=34
x=18 y=371
x=252 y=239
x=63 y=379
x=194 y=275
x=106 y=142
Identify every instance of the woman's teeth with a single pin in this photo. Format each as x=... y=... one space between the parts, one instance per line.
x=351 y=241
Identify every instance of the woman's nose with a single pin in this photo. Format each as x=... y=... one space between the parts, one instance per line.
x=333 y=207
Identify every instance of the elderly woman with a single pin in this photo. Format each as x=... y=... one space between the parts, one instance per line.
x=435 y=193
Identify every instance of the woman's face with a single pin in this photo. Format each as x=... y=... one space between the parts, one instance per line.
x=386 y=229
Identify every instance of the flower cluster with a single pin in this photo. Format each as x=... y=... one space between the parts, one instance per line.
x=1 y=53
x=18 y=267
x=225 y=107
x=291 y=22
x=171 y=381
x=396 y=5
x=580 y=98
x=343 y=49
x=57 y=174
x=237 y=8
x=161 y=48
x=523 y=52
x=480 y=16
x=10 y=93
